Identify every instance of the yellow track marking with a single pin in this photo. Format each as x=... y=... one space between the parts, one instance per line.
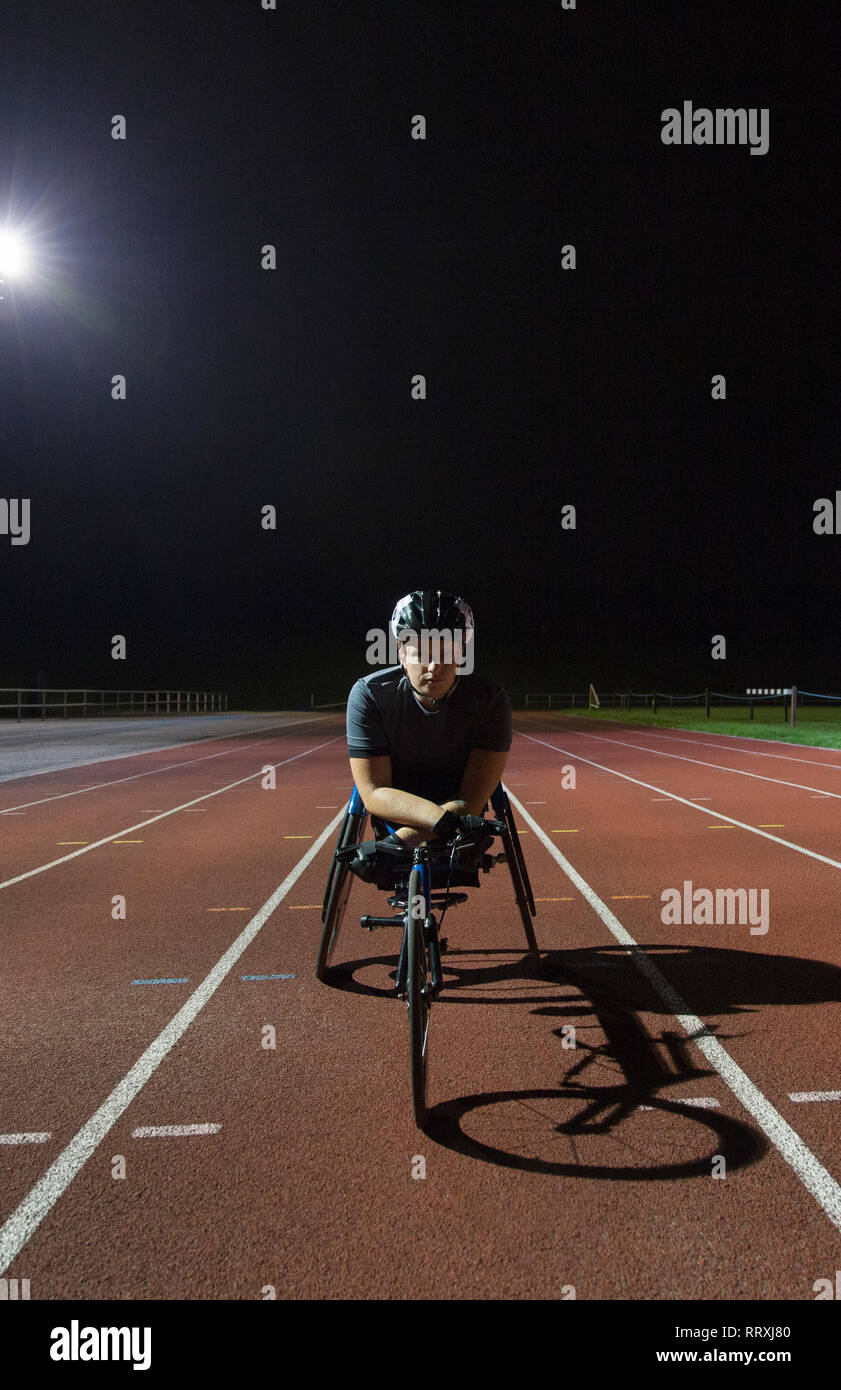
x=554 y=900
x=304 y=907
x=72 y=842
x=616 y=896
x=562 y=832
x=771 y=825
x=127 y=842
x=721 y=827
x=227 y=909
x=297 y=837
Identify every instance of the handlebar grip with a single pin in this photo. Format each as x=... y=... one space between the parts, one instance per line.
x=475 y=825
x=390 y=847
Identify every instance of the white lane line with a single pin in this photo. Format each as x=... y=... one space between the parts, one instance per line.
x=703 y=1103
x=39 y=1201
x=135 y=776
x=699 y=762
x=814 y=1095
x=753 y=752
x=172 y=1131
x=36 y=1138
x=730 y=747
x=673 y=796
x=95 y=844
x=788 y=1143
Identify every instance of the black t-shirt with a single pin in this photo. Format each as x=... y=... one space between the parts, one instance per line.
x=428 y=748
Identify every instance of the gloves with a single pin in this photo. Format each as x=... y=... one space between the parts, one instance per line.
x=450 y=825
x=470 y=825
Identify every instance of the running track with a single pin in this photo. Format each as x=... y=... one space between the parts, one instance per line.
x=548 y=1167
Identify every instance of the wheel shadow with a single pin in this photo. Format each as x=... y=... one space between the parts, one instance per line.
x=604 y=1087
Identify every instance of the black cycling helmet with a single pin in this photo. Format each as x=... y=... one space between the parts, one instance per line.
x=425 y=609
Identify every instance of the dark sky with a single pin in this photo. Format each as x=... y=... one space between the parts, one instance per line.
x=395 y=256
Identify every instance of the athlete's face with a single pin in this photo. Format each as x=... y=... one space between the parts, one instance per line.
x=428 y=671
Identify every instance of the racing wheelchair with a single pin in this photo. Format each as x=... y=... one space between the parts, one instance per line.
x=419 y=880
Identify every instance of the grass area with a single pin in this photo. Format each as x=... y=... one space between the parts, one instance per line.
x=818 y=728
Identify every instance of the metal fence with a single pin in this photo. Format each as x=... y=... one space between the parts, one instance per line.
x=109 y=701
x=569 y=701
x=790 y=701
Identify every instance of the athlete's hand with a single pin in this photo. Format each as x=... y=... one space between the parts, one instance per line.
x=471 y=825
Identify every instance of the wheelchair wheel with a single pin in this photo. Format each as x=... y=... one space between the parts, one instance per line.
x=522 y=899
x=521 y=863
x=418 y=998
x=339 y=883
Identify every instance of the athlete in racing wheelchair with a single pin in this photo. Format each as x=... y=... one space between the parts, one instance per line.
x=416 y=732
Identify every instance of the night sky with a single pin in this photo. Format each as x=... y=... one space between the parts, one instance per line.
x=395 y=256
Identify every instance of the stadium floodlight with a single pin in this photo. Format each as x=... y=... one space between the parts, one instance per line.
x=14 y=256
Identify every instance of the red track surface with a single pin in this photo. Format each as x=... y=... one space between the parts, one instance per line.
x=307 y=1185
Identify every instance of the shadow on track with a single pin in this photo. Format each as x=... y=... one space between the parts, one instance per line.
x=607 y=1128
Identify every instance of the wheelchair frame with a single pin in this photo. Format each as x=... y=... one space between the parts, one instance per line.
x=419 y=976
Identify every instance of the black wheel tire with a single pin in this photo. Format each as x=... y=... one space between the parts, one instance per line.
x=340 y=840
x=419 y=1001
x=339 y=885
x=521 y=863
x=520 y=897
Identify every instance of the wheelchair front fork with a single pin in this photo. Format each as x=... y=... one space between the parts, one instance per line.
x=435 y=981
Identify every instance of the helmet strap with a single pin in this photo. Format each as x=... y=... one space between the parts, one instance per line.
x=420 y=698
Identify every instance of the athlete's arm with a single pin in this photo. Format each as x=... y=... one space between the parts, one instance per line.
x=373 y=782
x=484 y=769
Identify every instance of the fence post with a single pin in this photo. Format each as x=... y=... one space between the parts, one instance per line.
x=793 y=705
x=19 y=695
x=707 y=703
x=750 y=705
x=654 y=701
